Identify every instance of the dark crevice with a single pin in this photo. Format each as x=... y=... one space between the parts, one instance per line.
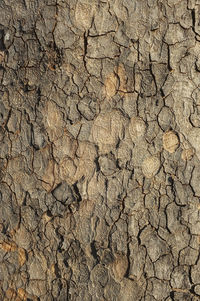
x=118 y=164
x=153 y=76
x=168 y=59
x=61 y=238
x=166 y=216
x=192 y=291
x=94 y=252
x=139 y=233
x=66 y=263
x=2 y=45
x=85 y=36
x=96 y=161
x=193 y=19
x=38 y=93
x=172 y=295
x=79 y=198
x=106 y=186
x=101 y=35
x=57 y=271
x=190 y=274
x=162 y=93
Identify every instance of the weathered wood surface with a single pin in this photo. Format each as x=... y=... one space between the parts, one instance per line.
x=99 y=150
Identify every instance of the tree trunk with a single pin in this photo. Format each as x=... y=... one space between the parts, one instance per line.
x=99 y=150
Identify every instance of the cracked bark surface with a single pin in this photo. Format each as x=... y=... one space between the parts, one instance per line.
x=99 y=150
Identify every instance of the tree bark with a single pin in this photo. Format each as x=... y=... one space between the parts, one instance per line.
x=99 y=150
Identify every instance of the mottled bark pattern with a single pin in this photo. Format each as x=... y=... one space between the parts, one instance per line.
x=99 y=150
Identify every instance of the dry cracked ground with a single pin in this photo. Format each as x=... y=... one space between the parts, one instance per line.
x=100 y=150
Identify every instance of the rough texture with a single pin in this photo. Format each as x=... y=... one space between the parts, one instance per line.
x=170 y=141
x=99 y=150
